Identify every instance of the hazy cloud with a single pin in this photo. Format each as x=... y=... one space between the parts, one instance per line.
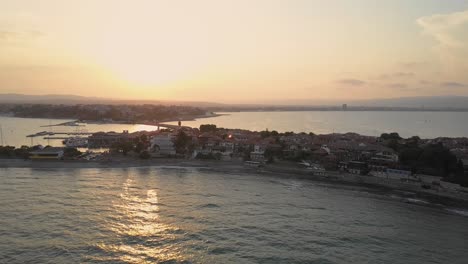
x=451 y=34
x=413 y=64
x=398 y=86
x=15 y=36
x=447 y=29
x=396 y=75
x=453 y=85
x=18 y=28
x=403 y=74
x=6 y=34
x=352 y=82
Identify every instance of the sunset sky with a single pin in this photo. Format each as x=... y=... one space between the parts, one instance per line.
x=234 y=51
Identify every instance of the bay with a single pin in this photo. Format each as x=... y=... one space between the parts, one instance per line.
x=190 y=215
x=407 y=124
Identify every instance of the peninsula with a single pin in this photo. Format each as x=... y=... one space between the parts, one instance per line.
x=437 y=167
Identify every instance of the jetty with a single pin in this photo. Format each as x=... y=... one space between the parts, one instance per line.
x=50 y=133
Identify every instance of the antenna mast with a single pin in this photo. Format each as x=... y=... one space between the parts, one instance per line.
x=1 y=135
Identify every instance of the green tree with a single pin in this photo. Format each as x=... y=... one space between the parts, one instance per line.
x=124 y=147
x=71 y=152
x=392 y=135
x=182 y=142
x=208 y=128
x=145 y=155
x=139 y=147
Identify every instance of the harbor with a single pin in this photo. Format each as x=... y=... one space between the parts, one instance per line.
x=80 y=135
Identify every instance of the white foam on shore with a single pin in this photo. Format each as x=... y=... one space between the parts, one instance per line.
x=458 y=211
x=416 y=201
x=173 y=167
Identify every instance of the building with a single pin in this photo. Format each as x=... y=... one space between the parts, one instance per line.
x=50 y=153
x=465 y=166
x=386 y=156
x=107 y=139
x=400 y=174
x=345 y=107
x=258 y=154
x=357 y=167
x=162 y=146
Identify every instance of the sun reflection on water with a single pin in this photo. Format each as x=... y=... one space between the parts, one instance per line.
x=142 y=237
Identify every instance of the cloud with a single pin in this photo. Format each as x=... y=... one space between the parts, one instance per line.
x=453 y=85
x=352 y=82
x=399 y=86
x=403 y=74
x=450 y=31
x=9 y=36
x=396 y=75
x=4 y=35
x=19 y=28
x=413 y=64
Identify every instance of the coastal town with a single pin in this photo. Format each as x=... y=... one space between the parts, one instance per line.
x=428 y=164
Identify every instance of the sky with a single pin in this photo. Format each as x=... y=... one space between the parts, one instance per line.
x=235 y=51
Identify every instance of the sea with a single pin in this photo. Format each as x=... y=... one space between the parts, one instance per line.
x=372 y=123
x=194 y=215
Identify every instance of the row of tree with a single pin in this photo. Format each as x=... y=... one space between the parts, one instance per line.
x=432 y=159
x=10 y=152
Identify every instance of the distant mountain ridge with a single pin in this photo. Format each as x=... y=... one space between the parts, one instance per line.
x=421 y=102
x=12 y=98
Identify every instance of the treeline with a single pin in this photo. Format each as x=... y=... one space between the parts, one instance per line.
x=431 y=159
x=123 y=113
x=11 y=152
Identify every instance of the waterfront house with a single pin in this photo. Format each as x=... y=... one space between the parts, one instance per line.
x=356 y=167
x=161 y=145
x=465 y=166
x=400 y=174
x=259 y=153
x=50 y=153
x=386 y=156
x=107 y=139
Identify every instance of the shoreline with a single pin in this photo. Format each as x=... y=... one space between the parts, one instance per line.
x=102 y=122
x=409 y=193
x=98 y=122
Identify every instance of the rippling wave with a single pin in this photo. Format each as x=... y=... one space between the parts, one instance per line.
x=157 y=215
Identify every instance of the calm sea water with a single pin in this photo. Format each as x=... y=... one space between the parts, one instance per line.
x=423 y=124
x=163 y=215
x=16 y=129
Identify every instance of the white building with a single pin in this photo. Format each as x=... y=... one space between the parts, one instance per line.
x=47 y=153
x=386 y=156
x=258 y=154
x=162 y=146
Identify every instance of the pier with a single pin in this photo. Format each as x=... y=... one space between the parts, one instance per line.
x=47 y=133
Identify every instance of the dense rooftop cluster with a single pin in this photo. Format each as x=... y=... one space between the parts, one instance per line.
x=354 y=153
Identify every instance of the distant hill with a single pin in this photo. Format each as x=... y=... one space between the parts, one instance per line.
x=422 y=102
x=436 y=102
x=48 y=99
x=448 y=102
x=75 y=99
